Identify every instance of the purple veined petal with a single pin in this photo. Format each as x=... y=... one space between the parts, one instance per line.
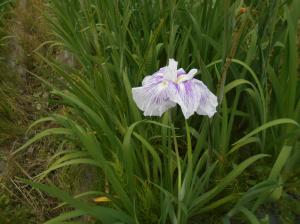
x=208 y=102
x=157 y=77
x=193 y=96
x=187 y=97
x=154 y=99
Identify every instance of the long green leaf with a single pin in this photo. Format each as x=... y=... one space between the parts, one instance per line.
x=265 y=126
x=106 y=215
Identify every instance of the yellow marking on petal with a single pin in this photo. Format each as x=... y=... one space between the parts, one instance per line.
x=164 y=84
x=179 y=79
x=101 y=199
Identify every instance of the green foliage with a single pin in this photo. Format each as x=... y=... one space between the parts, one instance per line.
x=165 y=170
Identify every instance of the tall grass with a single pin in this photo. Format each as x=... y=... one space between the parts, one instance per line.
x=168 y=170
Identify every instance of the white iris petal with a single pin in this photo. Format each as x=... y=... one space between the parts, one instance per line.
x=153 y=99
x=188 y=98
x=208 y=101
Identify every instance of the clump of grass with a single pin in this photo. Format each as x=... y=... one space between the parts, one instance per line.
x=9 y=112
x=13 y=212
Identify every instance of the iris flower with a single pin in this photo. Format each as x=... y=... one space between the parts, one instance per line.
x=170 y=86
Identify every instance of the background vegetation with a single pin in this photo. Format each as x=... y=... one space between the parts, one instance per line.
x=95 y=152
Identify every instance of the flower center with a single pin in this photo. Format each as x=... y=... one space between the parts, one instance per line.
x=164 y=84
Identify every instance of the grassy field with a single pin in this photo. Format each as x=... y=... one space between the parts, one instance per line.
x=75 y=148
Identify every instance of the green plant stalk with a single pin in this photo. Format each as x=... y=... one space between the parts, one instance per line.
x=179 y=174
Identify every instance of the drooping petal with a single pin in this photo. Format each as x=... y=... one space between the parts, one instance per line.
x=208 y=102
x=153 y=99
x=186 y=97
x=193 y=96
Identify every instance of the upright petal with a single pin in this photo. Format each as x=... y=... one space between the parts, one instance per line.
x=192 y=72
x=153 y=99
x=186 y=77
x=170 y=71
x=173 y=64
x=180 y=72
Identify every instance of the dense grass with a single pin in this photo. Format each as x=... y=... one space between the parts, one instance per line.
x=8 y=109
x=230 y=168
